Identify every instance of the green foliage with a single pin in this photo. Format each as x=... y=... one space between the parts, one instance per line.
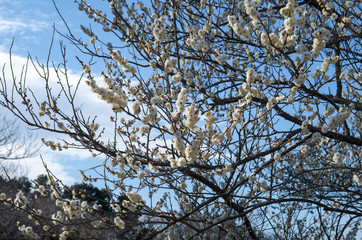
x=89 y=193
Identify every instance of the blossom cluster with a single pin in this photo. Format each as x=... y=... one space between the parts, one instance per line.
x=238 y=27
x=28 y=231
x=159 y=31
x=113 y=95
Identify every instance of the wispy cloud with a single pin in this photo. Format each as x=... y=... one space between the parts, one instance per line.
x=21 y=26
x=23 y=17
x=26 y=21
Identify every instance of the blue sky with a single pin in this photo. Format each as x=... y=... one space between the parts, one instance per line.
x=30 y=23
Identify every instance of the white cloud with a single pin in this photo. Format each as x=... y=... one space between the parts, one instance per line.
x=64 y=164
x=31 y=23
x=35 y=167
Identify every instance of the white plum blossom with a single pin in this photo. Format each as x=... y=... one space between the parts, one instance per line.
x=218 y=111
x=134 y=197
x=119 y=222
